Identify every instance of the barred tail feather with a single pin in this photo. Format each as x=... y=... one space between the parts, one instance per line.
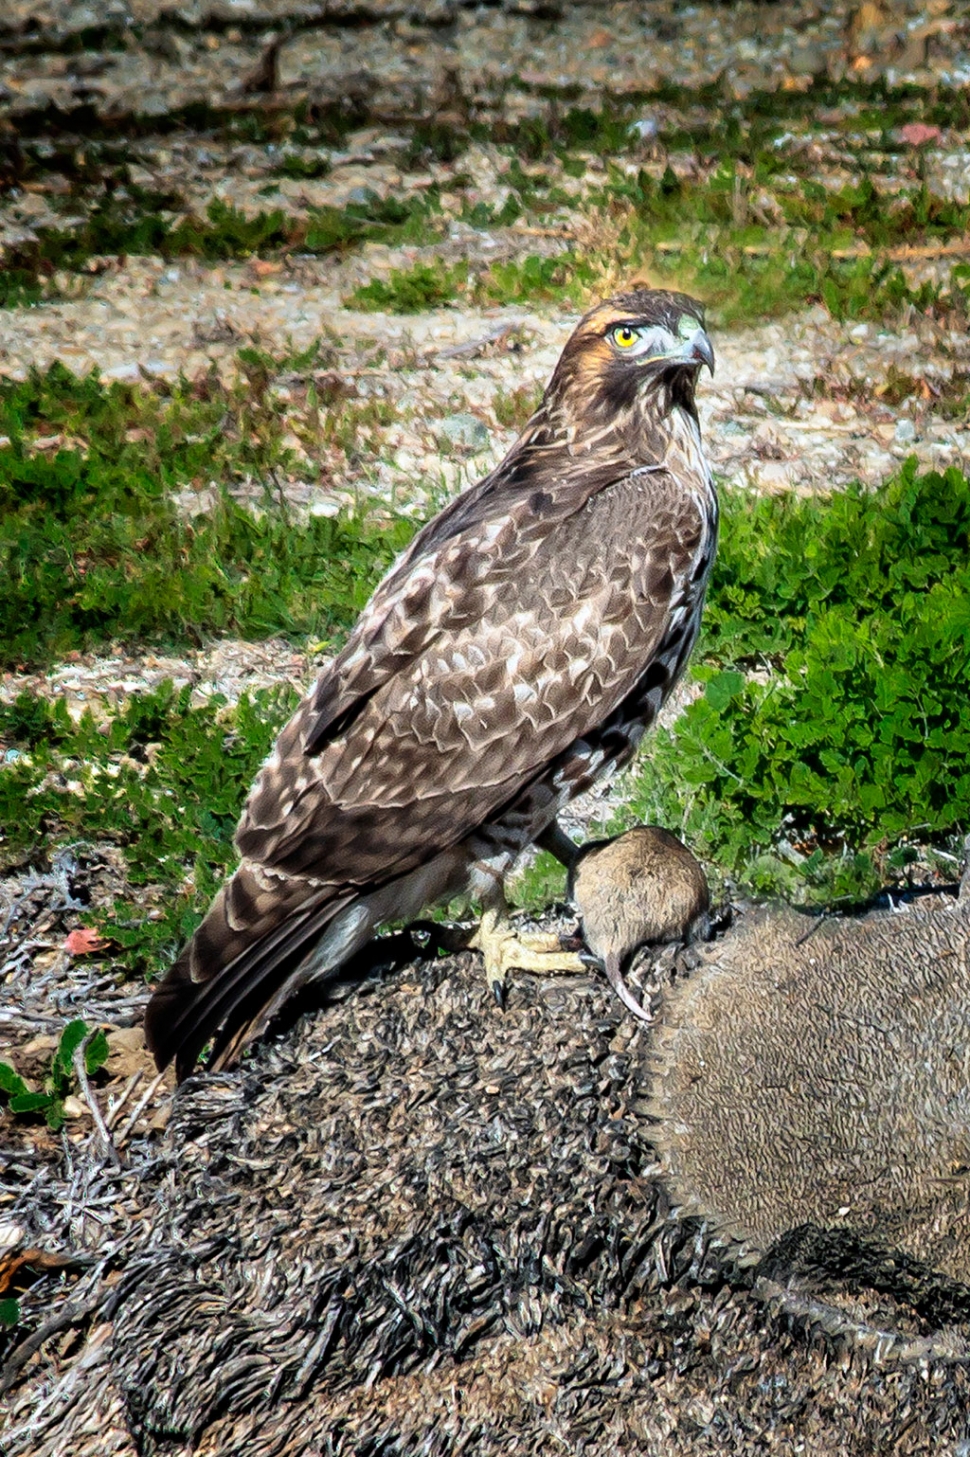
x=200 y=1000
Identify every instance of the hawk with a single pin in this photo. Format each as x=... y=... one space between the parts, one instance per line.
x=513 y=655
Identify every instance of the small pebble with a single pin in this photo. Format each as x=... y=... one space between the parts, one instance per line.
x=464 y=432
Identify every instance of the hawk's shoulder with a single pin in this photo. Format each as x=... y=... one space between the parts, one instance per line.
x=485 y=537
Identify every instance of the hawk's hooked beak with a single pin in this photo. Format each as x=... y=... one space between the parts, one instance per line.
x=699 y=350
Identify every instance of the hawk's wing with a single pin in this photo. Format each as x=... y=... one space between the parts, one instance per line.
x=478 y=661
x=515 y=624
x=486 y=536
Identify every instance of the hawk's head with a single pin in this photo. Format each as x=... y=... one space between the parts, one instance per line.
x=634 y=353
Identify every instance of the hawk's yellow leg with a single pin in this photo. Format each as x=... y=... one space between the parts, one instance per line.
x=504 y=948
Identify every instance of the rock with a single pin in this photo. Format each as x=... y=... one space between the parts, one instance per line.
x=464 y=432
x=646 y=129
x=773 y=475
x=362 y=196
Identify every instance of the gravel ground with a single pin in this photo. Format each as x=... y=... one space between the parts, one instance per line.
x=158 y=57
x=763 y=420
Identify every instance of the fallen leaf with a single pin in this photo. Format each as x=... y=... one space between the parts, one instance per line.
x=83 y=941
x=35 y=1260
x=918 y=133
x=127 y=1053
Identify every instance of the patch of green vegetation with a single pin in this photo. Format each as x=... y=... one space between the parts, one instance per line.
x=535 y=191
x=393 y=220
x=538 y=885
x=162 y=781
x=876 y=218
x=605 y=131
x=749 y=246
x=566 y=277
x=93 y=548
x=410 y=290
x=484 y=215
x=60 y=1080
x=708 y=237
x=355 y=428
x=739 y=288
x=834 y=663
x=435 y=141
x=301 y=165
x=137 y=222
x=514 y=407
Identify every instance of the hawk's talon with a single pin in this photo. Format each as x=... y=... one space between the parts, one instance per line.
x=505 y=949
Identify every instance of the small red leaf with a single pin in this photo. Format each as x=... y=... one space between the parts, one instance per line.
x=84 y=941
x=918 y=133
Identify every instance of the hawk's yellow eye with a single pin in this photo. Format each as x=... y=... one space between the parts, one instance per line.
x=624 y=337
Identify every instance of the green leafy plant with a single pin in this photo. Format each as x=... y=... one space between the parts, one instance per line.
x=60 y=1081
x=410 y=291
x=834 y=663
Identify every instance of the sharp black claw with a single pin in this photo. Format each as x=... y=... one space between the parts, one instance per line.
x=498 y=992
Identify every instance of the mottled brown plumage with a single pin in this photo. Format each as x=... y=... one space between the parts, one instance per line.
x=514 y=654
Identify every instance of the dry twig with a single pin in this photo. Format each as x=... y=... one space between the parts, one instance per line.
x=140 y=1107
x=80 y=1072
